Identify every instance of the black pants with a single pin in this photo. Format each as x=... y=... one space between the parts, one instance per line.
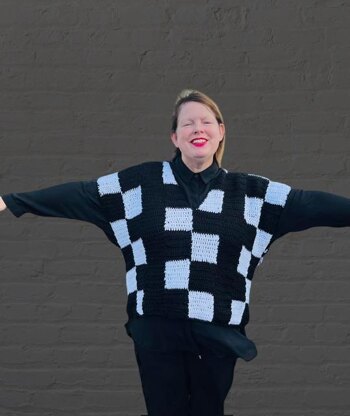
x=184 y=383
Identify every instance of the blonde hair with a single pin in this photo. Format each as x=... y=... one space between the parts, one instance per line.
x=199 y=97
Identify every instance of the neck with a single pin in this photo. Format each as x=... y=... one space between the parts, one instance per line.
x=197 y=165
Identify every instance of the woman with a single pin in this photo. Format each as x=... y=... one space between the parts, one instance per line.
x=192 y=235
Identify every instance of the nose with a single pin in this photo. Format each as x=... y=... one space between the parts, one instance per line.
x=198 y=127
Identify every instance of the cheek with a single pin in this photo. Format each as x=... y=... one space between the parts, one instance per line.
x=186 y=130
x=185 y=134
x=214 y=131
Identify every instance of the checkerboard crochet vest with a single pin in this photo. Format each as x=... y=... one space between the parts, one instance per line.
x=190 y=262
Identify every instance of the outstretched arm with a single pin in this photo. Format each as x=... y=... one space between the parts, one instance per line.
x=75 y=200
x=305 y=209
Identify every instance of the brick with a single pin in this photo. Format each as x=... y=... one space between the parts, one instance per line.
x=71 y=400
x=25 y=292
x=91 y=334
x=24 y=379
x=328 y=398
x=326 y=15
x=34 y=334
x=332 y=333
x=11 y=398
x=68 y=357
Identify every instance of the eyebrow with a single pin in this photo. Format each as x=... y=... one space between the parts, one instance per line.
x=190 y=119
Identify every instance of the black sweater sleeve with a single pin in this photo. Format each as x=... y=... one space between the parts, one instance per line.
x=74 y=200
x=306 y=209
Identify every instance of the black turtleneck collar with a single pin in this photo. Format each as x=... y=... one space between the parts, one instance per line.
x=186 y=174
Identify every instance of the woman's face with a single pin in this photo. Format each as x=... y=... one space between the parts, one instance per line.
x=197 y=121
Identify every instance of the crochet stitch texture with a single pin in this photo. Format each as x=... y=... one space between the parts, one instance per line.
x=190 y=262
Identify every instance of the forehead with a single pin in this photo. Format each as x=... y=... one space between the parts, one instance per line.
x=194 y=109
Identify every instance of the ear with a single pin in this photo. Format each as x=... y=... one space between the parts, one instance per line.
x=222 y=130
x=173 y=137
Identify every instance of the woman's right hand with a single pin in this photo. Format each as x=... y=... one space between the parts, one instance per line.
x=2 y=204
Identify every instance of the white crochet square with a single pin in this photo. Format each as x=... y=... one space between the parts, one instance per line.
x=248 y=285
x=108 y=184
x=252 y=210
x=168 y=176
x=178 y=219
x=237 y=310
x=276 y=193
x=139 y=252
x=213 y=201
x=244 y=261
x=205 y=247
x=261 y=241
x=131 y=282
x=132 y=202
x=139 y=302
x=120 y=229
x=200 y=305
x=177 y=274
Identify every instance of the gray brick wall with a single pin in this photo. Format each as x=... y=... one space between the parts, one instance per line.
x=87 y=88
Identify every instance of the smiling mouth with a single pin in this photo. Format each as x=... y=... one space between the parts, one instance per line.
x=199 y=140
x=199 y=143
